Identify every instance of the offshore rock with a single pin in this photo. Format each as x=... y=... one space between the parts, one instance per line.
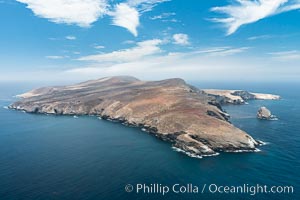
x=265 y=113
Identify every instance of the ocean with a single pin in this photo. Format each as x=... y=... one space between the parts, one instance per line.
x=65 y=158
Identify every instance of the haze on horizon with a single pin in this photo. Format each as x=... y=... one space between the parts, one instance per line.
x=150 y=39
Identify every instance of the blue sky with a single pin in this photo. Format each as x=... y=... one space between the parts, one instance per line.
x=239 y=40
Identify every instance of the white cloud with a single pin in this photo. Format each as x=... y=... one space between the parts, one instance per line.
x=128 y=42
x=71 y=37
x=286 y=55
x=55 y=57
x=53 y=39
x=145 y=5
x=162 y=16
x=195 y=65
x=224 y=51
x=147 y=57
x=85 y=12
x=99 y=47
x=140 y=2
x=258 y=37
x=295 y=5
x=151 y=49
x=165 y=17
x=191 y=66
x=80 y=12
x=148 y=61
x=243 y=12
x=181 y=39
x=141 y=50
x=126 y=17
x=170 y=20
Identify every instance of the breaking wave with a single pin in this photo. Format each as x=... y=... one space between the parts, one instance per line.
x=262 y=143
x=243 y=151
x=192 y=154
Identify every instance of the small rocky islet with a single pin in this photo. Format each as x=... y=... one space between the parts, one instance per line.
x=264 y=113
x=172 y=110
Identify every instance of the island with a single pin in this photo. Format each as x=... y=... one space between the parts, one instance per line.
x=238 y=96
x=264 y=113
x=172 y=110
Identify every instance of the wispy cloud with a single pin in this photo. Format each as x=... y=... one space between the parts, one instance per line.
x=222 y=51
x=162 y=16
x=260 y=37
x=181 y=39
x=201 y=64
x=128 y=42
x=170 y=20
x=56 y=57
x=79 y=12
x=126 y=17
x=99 y=47
x=286 y=55
x=70 y=37
x=145 y=5
x=53 y=39
x=153 y=49
x=141 y=50
x=242 y=12
x=150 y=57
x=165 y=17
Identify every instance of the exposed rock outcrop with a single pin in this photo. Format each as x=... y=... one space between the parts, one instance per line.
x=169 y=109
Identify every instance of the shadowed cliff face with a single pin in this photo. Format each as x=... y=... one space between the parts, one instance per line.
x=170 y=109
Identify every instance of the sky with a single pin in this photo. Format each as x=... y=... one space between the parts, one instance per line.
x=213 y=40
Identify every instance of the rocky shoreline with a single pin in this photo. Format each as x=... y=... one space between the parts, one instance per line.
x=171 y=110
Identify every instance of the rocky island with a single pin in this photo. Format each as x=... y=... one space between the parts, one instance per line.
x=172 y=110
x=238 y=96
x=265 y=114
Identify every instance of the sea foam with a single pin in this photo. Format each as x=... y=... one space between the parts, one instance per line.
x=191 y=154
x=187 y=153
x=243 y=151
x=262 y=143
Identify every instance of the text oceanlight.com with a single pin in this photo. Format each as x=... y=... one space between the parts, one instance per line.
x=208 y=188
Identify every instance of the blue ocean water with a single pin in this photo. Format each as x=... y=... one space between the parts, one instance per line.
x=61 y=157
